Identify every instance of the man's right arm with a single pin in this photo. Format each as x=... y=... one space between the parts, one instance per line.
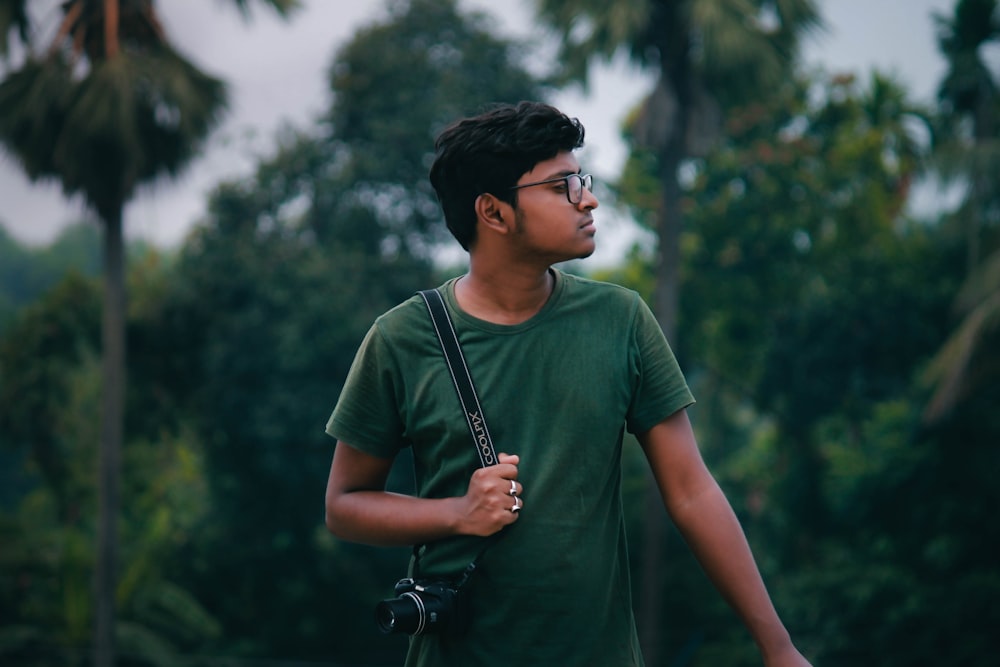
x=359 y=509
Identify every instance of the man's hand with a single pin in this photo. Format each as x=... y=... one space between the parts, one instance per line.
x=493 y=498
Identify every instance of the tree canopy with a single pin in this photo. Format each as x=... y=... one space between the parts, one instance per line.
x=822 y=323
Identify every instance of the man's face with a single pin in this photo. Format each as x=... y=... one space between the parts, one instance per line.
x=546 y=222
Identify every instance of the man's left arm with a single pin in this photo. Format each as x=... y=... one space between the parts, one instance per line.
x=705 y=518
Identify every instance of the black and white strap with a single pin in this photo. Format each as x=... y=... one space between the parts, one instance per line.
x=460 y=376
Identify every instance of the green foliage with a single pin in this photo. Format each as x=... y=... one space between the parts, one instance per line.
x=813 y=309
x=26 y=272
x=741 y=46
x=965 y=361
x=110 y=106
x=255 y=336
x=435 y=63
x=13 y=19
x=968 y=83
x=967 y=152
x=50 y=387
x=911 y=565
x=57 y=333
x=812 y=306
x=761 y=274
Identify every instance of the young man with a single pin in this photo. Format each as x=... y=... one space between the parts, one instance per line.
x=562 y=366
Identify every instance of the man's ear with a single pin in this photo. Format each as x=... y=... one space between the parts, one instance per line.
x=491 y=212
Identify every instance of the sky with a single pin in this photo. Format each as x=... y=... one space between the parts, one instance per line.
x=276 y=71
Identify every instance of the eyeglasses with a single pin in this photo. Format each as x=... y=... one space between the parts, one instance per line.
x=575 y=183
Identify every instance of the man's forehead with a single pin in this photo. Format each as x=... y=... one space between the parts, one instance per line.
x=561 y=165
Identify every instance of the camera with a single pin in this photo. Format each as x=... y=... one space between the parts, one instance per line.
x=422 y=607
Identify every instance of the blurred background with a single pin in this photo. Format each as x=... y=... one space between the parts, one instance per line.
x=205 y=205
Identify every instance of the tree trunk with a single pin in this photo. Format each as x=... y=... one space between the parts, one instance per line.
x=666 y=299
x=983 y=134
x=666 y=294
x=112 y=428
x=665 y=306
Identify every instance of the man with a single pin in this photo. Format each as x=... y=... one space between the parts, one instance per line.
x=563 y=366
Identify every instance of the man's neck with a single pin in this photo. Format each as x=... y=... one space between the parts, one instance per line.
x=509 y=296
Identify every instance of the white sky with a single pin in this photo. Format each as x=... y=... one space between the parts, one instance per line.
x=276 y=74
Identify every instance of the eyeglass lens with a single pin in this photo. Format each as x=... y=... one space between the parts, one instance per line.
x=576 y=183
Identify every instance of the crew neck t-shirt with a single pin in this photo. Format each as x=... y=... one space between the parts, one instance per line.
x=558 y=390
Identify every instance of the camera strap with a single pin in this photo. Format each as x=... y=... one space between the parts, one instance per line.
x=445 y=330
x=467 y=396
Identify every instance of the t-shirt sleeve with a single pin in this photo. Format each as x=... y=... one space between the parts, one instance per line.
x=660 y=389
x=367 y=415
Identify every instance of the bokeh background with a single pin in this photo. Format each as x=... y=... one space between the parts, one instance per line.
x=205 y=205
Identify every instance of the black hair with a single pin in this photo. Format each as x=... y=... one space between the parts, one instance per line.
x=490 y=152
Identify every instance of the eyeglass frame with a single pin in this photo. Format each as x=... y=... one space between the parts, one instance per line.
x=584 y=178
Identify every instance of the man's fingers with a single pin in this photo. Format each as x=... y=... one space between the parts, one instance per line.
x=513 y=459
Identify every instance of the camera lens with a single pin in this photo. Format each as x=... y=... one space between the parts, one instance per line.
x=404 y=614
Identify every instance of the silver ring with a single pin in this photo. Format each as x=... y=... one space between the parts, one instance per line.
x=513 y=488
x=517 y=505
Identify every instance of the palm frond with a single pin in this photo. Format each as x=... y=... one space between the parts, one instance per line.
x=133 y=119
x=128 y=121
x=798 y=16
x=749 y=45
x=950 y=372
x=594 y=29
x=34 y=102
x=13 y=19
x=282 y=7
x=981 y=286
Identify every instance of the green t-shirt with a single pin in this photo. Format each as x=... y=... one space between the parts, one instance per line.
x=557 y=390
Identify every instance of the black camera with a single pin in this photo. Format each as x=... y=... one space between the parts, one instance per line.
x=422 y=607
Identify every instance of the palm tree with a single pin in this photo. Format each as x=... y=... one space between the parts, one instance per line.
x=969 y=93
x=968 y=150
x=107 y=106
x=709 y=56
x=968 y=359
